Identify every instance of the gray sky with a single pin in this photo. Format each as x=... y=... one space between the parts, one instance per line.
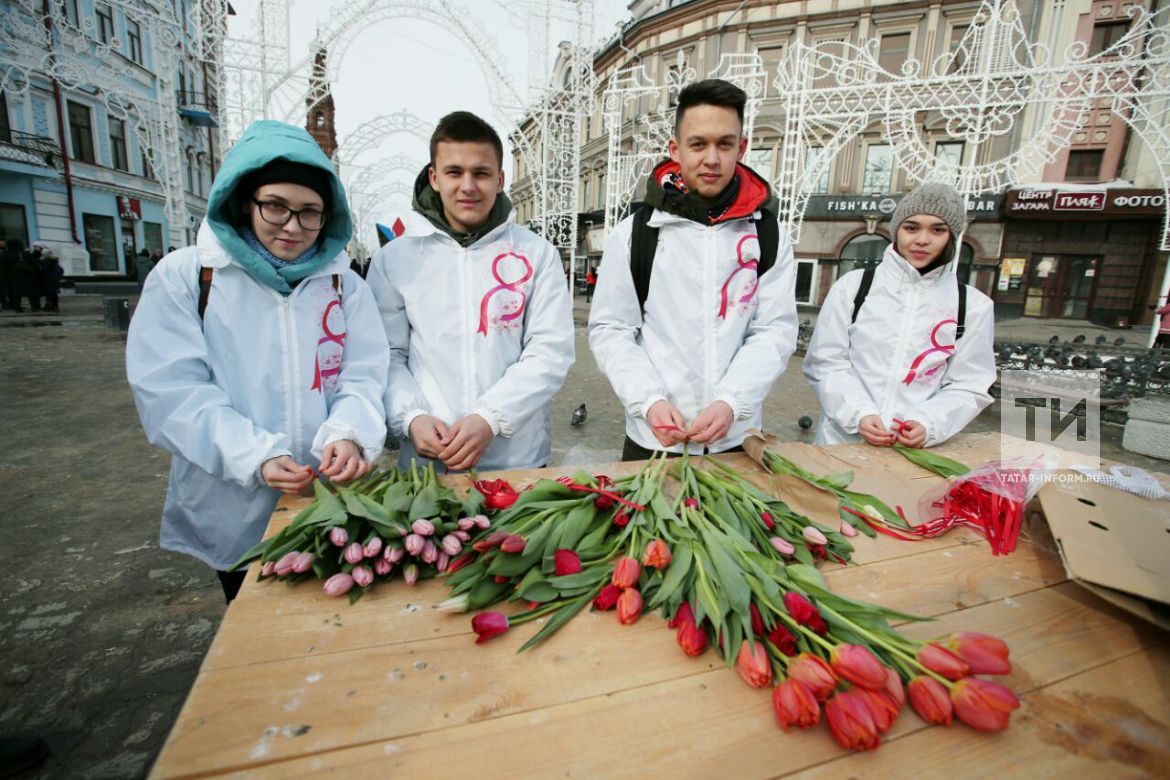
x=401 y=63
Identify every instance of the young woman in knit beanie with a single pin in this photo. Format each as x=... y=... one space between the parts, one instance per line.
x=257 y=357
x=911 y=359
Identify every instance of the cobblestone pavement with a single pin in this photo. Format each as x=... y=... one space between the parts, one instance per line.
x=101 y=633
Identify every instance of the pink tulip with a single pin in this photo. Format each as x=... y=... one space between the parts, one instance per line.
x=353 y=553
x=430 y=552
x=414 y=544
x=285 y=564
x=394 y=554
x=462 y=536
x=362 y=576
x=422 y=527
x=268 y=569
x=338 y=536
x=782 y=546
x=813 y=535
x=451 y=544
x=482 y=522
x=847 y=529
x=382 y=567
x=442 y=561
x=466 y=523
x=410 y=573
x=303 y=562
x=339 y=584
x=372 y=548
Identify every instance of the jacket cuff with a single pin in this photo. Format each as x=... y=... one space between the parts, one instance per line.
x=275 y=452
x=494 y=420
x=410 y=417
x=852 y=425
x=740 y=410
x=645 y=407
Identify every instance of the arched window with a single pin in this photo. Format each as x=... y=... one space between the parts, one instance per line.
x=862 y=251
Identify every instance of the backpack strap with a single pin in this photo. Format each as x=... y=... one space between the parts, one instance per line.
x=961 y=325
x=862 y=291
x=205 y=275
x=643 y=246
x=337 y=285
x=768 y=230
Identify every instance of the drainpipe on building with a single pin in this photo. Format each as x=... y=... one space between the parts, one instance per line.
x=60 y=122
x=719 y=31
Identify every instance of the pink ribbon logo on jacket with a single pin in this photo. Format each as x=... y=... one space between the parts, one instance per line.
x=330 y=348
x=751 y=265
x=512 y=313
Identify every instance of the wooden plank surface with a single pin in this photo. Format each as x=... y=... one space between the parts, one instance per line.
x=296 y=683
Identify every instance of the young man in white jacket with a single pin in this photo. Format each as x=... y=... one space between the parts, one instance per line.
x=693 y=365
x=890 y=364
x=477 y=313
x=256 y=356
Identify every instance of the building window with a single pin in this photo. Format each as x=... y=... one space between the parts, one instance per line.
x=879 y=169
x=1084 y=165
x=190 y=178
x=199 y=174
x=760 y=161
x=894 y=50
x=585 y=202
x=806 y=276
x=134 y=37
x=1106 y=35
x=812 y=157
x=100 y=241
x=824 y=70
x=12 y=223
x=5 y=127
x=949 y=154
x=80 y=132
x=864 y=251
x=958 y=56
x=147 y=171
x=118 y=145
x=152 y=237
x=105 y=22
x=69 y=13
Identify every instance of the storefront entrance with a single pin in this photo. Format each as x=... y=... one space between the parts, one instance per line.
x=1061 y=286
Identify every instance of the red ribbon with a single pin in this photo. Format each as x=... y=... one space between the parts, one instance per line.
x=330 y=337
x=508 y=286
x=743 y=266
x=602 y=481
x=947 y=348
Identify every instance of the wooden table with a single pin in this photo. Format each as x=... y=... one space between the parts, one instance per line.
x=296 y=683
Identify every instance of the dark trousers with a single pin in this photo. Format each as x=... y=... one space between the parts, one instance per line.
x=1163 y=340
x=631 y=450
x=231 y=581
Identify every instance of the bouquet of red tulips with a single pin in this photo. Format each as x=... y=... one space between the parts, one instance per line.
x=387 y=524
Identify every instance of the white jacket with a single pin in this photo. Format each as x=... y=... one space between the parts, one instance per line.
x=709 y=333
x=486 y=329
x=260 y=375
x=866 y=367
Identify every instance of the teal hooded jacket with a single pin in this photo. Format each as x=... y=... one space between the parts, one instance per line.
x=262 y=143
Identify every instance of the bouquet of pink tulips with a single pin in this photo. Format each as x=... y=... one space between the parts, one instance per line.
x=387 y=524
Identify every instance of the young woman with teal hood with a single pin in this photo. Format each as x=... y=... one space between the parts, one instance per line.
x=257 y=356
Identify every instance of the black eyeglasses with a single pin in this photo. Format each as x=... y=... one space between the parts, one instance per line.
x=279 y=214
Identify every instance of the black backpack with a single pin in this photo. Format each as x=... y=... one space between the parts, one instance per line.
x=644 y=245
x=867 y=281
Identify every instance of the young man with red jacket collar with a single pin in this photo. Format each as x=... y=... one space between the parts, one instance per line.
x=693 y=366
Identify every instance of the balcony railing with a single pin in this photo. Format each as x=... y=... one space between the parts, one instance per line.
x=16 y=146
x=198 y=107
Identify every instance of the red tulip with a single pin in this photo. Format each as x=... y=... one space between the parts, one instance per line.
x=881 y=707
x=566 y=562
x=859 y=666
x=850 y=721
x=681 y=616
x=656 y=555
x=983 y=705
x=488 y=625
x=894 y=687
x=497 y=493
x=460 y=562
x=692 y=639
x=491 y=541
x=626 y=573
x=607 y=598
x=757 y=620
x=939 y=660
x=795 y=704
x=603 y=502
x=783 y=639
x=804 y=613
x=930 y=700
x=629 y=606
x=753 y=665
x=766 y=519
x=983 y=653
x=814 y=672
x=621 y=518
x=513 y=543
x=691 y=503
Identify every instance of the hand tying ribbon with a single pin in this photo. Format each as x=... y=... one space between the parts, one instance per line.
x=502 y=286
x=753 y=264
x=603 y=481
x=948 y=349
x=673 y=428
x=322 y=376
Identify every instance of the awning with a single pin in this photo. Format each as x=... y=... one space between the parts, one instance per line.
x=199 y=117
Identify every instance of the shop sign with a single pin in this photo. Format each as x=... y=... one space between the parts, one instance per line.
x=1111 y=203
x=129 y=208
x=882 y=206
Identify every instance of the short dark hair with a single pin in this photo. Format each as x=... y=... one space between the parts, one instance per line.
x=710 y=92
x=464 y=127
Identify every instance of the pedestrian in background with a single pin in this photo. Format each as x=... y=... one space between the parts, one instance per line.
x=50 y=273
x=6 y=263
x=24 y=270
x=1163 y=339
x=143 y=265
